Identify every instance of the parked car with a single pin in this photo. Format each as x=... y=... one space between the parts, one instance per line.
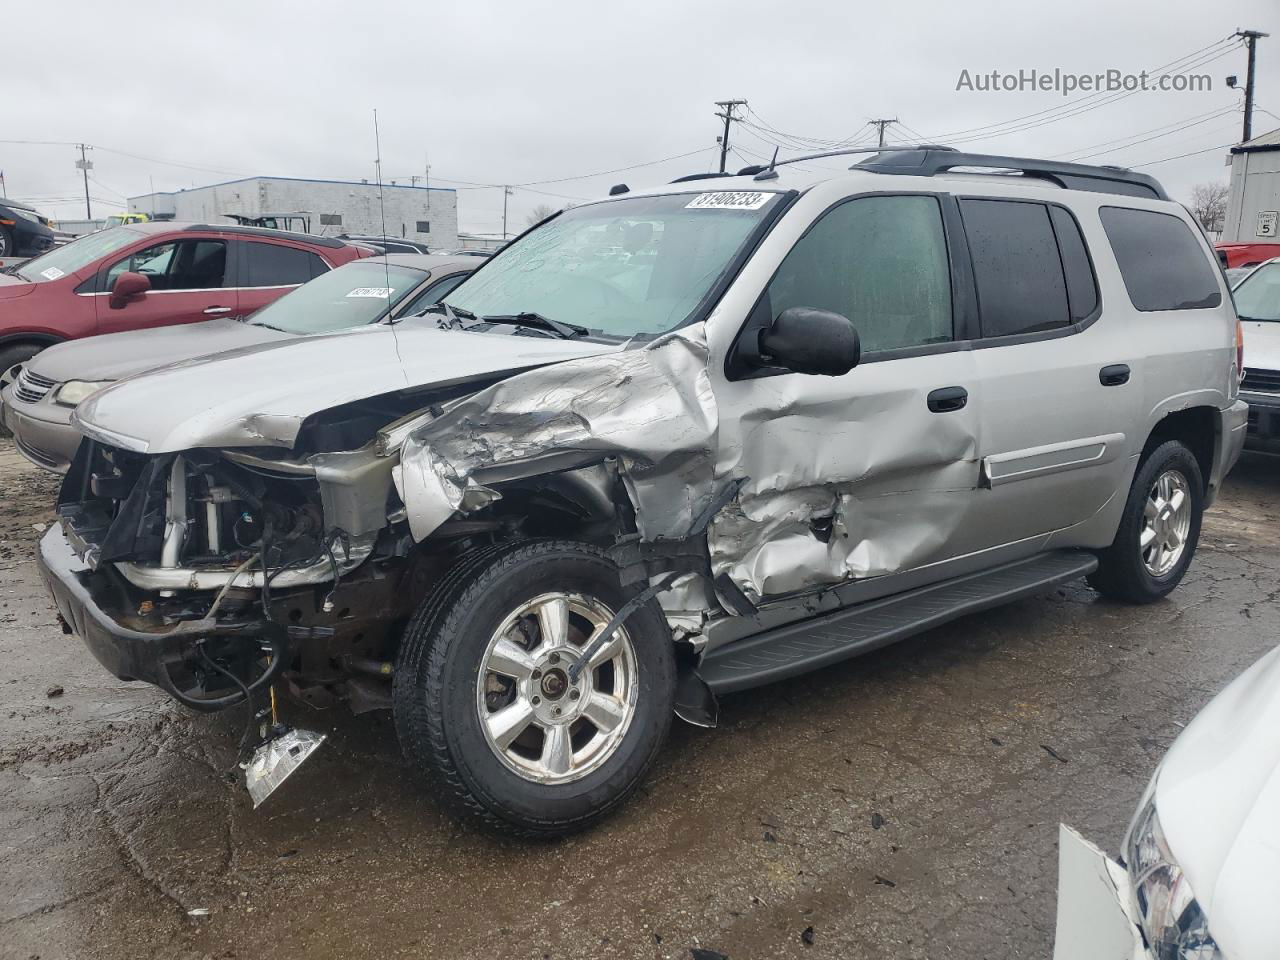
x=23 y=231
x=1199 y=873
x=149 y=275
x=1257 y=299
x=1246 y=254
x=669 y=445
x=387 y=244
x=36 y=406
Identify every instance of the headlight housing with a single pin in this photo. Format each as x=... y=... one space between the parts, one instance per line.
x=1172 y=922
x=24 y=214
x=72 y=392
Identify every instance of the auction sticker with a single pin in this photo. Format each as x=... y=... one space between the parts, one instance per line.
x=53 y=273
x=729 y=200
x=381 y=293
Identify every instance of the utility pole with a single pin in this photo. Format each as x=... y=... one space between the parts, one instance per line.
x=882 y=124
x=1250 y=38
x=729 y=115
x=506 y=192
x=84 y=166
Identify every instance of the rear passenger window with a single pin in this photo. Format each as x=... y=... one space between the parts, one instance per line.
x=1017 y=267
x=1162 y=263
x=275 y=265
x=880 y=261
x=1082 y=289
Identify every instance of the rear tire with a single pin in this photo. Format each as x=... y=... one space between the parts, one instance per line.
x=483 y=704
x=6 y=242
x=1158 y=531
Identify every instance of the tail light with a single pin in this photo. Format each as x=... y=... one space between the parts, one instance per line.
x=1239 y=349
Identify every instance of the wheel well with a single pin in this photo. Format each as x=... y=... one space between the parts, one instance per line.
x=40 y=340
x=1196 y=427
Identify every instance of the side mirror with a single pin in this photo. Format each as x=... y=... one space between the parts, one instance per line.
x=807 y=340
x=128 y=286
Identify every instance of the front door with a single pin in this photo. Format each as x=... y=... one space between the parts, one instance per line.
x=190 y=279
x=873 y=472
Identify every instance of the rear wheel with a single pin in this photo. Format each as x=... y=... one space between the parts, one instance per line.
x=486 y=704
x=1159 y=529
x=6 y=242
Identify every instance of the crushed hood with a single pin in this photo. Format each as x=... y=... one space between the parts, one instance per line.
x=1217 y=796
x=260 y=395
x=119 y=355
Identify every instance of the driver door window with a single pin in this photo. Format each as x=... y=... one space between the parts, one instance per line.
x=880 y=261
x=177 y=265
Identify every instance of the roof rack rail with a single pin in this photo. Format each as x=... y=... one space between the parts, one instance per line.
x=701 y=176
x=930 y=161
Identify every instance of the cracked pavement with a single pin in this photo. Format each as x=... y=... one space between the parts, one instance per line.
x=903 y=805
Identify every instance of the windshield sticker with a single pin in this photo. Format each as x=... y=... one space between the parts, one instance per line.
x=52 y=273
x=381 y=293
x=728 y=201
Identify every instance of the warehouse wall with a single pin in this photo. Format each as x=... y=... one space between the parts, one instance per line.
x=1255 y=189
x=407 y=208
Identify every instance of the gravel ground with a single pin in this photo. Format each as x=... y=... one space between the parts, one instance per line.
x=903 y=805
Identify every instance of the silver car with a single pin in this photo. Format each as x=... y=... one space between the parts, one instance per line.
x=665 y=446
x=39 y=396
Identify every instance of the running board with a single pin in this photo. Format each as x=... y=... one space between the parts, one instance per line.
x=800 y=647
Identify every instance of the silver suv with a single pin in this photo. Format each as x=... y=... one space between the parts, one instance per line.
x=665 y=446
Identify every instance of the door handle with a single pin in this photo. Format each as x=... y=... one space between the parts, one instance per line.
x=217 y=309
x=1114 y=375
x=947 y=399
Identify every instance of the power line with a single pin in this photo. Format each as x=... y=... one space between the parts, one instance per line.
x=1178 y=126
x=1193 y=153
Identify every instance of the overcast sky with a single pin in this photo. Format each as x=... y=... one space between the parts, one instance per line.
x=528 y=93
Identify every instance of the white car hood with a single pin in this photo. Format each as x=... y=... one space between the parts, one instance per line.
x=1261 y=344
x=1218 y=799
x=260 y=395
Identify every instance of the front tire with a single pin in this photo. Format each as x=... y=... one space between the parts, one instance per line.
x=6 y=242
x=485 y=706
x=1159 y=529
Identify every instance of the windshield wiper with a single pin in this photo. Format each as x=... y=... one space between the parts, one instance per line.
x=536 y=321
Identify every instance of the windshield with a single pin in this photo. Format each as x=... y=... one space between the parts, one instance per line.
x=640 y=265
x=350 y=296
x=1258 y=295
x=77 y=254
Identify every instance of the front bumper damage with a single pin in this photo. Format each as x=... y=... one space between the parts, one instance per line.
x=1095 y=912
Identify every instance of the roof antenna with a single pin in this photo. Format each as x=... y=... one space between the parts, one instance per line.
x=768 y=173
x=382 y=211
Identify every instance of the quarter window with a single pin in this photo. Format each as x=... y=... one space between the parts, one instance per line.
x=177 y=265
x=880 y=261
x=1017 y=267
x=1160 y=259
x=275 y=265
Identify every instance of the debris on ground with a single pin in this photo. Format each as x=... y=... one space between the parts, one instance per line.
x=1053 y=753
x=54 y=691
x=806 y=936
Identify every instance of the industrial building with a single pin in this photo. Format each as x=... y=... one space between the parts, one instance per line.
x=330 y=207
x=1253 y=203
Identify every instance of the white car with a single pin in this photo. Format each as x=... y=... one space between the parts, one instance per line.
x=1200 y=878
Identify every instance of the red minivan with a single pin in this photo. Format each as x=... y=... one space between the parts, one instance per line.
x=152 y=275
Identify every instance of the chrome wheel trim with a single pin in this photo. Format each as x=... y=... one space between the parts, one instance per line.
x=1166 y=523
x=523 y=691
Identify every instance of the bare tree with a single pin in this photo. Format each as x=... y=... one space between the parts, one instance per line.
x=1209 y=205
x=540 y=213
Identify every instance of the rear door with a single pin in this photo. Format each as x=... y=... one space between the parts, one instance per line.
x=192 y=279
x=270 y=269
x=1060 y=371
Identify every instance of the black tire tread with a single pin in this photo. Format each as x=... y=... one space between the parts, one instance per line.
x=422 y=732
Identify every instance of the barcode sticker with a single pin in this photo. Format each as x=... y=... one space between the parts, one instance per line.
x=737 y=200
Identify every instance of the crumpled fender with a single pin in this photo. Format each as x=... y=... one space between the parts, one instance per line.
x=652 y=408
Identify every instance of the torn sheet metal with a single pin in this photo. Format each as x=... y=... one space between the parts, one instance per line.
x=839 y=477
x=652 y=408
x=1095 y=912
